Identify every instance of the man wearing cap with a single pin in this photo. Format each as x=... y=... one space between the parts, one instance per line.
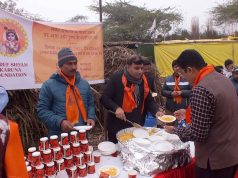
x=234 y=79
x=11 y=150
x=66 y=99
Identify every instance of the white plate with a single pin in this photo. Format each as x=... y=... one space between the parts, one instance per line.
x=107 y=148
x=108 y=167
x=163 y=146
x=140 y=133
x=163 y=118
x=142 y=141
x=83 y=127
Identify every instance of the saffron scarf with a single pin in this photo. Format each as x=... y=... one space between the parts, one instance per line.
x=74 y=102
x=202 y=73
x=129 y=102
x=177 y=99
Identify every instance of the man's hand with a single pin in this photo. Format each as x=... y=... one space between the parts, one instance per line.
x=180 y=114
x=120 y=114
x=91 y=122
x=66 y=126
x=169 y=129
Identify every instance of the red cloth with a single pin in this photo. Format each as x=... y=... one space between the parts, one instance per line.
x=236 y=176
x=187 y=171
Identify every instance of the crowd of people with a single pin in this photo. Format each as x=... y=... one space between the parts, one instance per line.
x=201 y=95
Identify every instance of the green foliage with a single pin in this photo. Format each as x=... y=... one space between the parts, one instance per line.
x=123 y=21
x=226 y=13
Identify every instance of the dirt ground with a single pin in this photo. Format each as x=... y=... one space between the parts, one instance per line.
x=96 y=135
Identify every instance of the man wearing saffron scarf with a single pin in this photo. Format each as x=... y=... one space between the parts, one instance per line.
x=127 y=95
x=213 y=117
x=66 y=99
x=176 y=90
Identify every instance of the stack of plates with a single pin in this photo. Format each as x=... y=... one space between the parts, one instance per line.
x=107 y=148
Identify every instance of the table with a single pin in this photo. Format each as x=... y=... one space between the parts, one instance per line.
x=105 y=160
x=116 y=161
x=187 y=171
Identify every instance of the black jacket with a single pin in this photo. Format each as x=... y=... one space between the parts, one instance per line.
x=112 y=98
x=168 y=88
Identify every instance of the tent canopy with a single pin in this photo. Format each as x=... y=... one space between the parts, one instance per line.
x=214 y=52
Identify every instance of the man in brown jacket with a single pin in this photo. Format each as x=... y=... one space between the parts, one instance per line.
x=212 y=117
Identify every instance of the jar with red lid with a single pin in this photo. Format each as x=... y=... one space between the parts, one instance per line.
x=47 y=156
x=84 y=145
x=30 y=171
x=72 y=172
x=40 y=171
x=76 y=148
x=74 y=137
x=69 y=162
x=50 y=169
x=36 y=158
x=91 y=168
x=60 y=165
x=64 y=139
x=67 y=151
x=30 y=151
x=88 y=156
x=54 y=143
x=57 y=154
x=82 y=170
x=44 y=143
x=82 y=135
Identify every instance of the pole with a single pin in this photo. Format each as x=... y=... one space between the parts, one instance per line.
x=100 y=10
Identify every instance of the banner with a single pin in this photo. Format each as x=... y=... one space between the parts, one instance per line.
x=214 y=53
x=28 y=50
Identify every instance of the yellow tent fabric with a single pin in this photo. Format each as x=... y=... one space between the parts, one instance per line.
x=213 y=53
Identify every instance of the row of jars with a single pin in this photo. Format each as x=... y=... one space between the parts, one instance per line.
x=72 y=150
x=50 y=169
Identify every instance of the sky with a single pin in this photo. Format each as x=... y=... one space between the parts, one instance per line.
x=63 y=10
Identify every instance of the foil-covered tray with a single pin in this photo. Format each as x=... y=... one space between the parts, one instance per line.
x=147 y=159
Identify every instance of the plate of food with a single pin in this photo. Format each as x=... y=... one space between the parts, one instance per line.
x=141 y=133
x=167 y=118
x=112 y=171
x=83 y=127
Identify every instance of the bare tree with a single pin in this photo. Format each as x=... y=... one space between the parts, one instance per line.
x=78 y=18
x=195 y=28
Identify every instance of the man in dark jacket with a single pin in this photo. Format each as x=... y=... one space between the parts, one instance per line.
x=176 y=90
x=127 y=96
x=66 y=99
